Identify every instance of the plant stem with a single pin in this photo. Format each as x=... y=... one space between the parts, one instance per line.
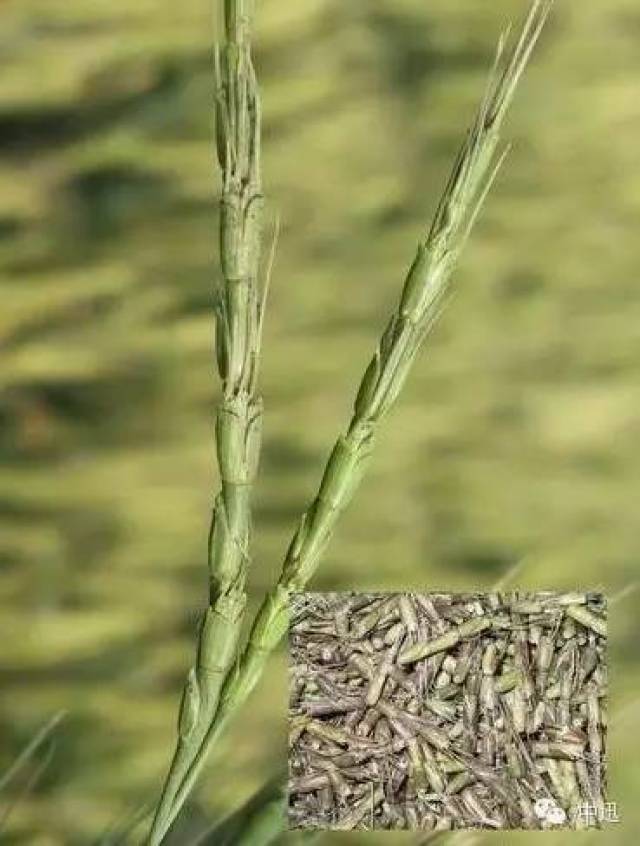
x=31 y=748
x=239 y=313
x=420 y=304
x=258 y=822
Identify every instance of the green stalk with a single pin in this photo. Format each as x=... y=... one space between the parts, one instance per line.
x=259 y=822
x=43 y=735
x=420 y=304
x=31 y=748
x=239 y=313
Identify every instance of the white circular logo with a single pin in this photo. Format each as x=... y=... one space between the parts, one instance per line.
x=547 y=810
x=556 y=815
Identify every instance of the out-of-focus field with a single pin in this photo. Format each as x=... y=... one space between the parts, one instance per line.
x=517 y=436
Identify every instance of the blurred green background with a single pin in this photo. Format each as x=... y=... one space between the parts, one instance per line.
x=515 y=439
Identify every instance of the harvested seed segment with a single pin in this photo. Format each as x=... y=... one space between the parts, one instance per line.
x=447 y=711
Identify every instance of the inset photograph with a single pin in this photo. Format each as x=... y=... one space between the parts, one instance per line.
x=445 y=711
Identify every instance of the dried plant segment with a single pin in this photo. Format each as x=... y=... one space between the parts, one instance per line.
x=447 y=711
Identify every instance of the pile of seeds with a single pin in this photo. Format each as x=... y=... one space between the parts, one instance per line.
x=447 y=711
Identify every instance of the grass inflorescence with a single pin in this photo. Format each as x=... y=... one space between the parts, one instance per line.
x=224 y=672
